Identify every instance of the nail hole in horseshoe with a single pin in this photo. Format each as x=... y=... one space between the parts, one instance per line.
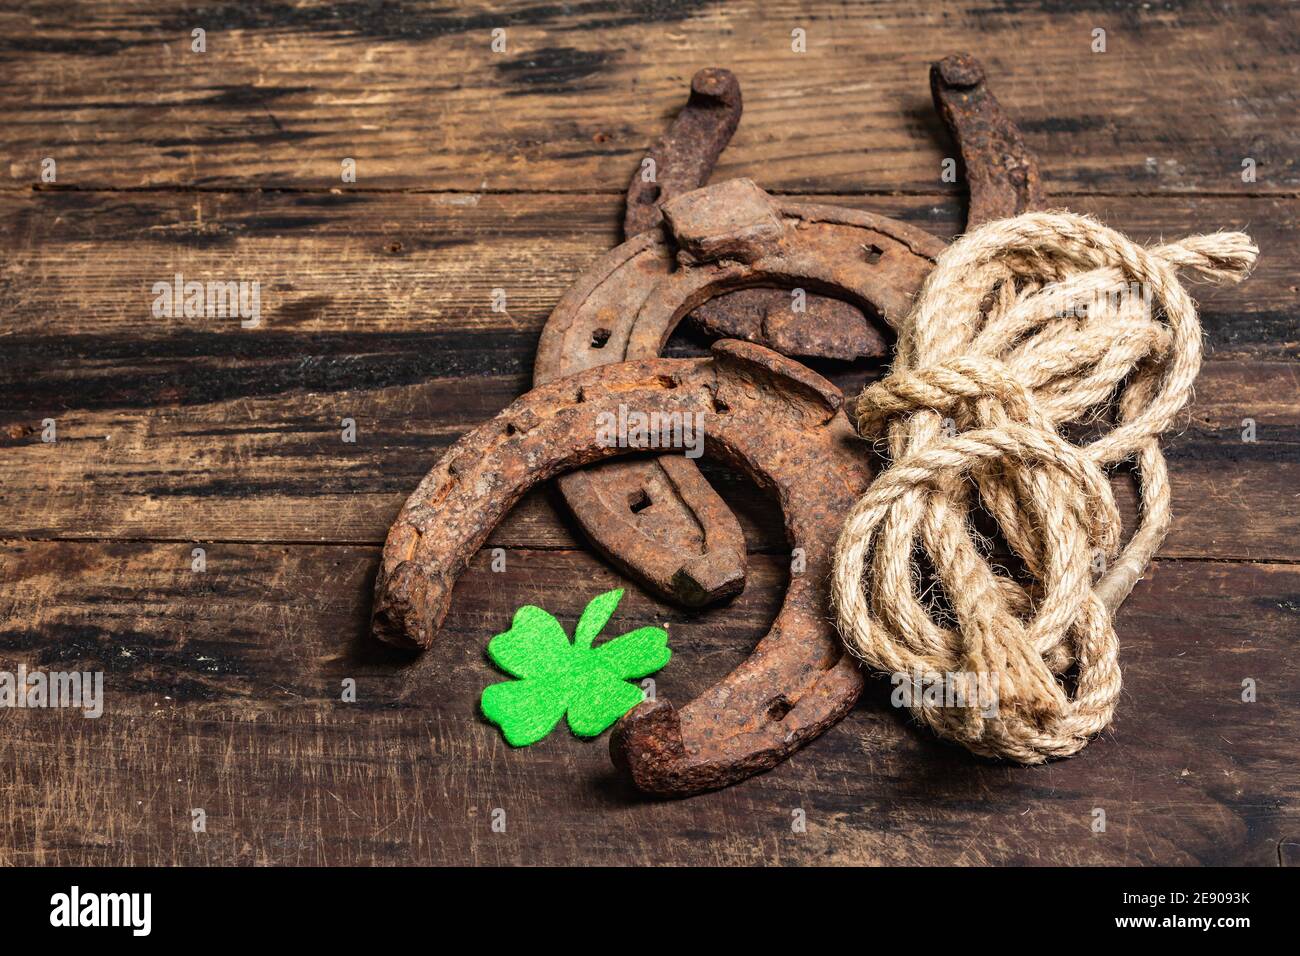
x=873 y=253
x=720 y=406
x=649 y=196
x=779 y=707
x=638 y=501
x=599 y=337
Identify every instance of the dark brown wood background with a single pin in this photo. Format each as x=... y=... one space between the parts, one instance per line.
x=478 y=171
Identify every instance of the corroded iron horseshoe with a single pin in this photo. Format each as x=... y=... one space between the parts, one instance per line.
x=762 y=413
x=659 y=519
x=663 y=523
x=682 y=161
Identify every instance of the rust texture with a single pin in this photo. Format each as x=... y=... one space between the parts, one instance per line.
x=1001 y=174
x=763 y=414
x=683 y=160
x=658 y=519
x=726 y=250
x=830 y=328
x=670 y=531
x=684 y=157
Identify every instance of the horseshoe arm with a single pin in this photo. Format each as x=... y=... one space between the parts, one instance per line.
x=549 y=430
x=1001 y=172
x=662 y=523
x=762 y=413
x=684 y=157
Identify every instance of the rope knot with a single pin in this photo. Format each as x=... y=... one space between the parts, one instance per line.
x=956 y=389
x=1027 y=330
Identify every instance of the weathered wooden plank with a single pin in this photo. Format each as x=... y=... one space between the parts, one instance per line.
x=277 y=468
x=222 y=694
x=376 y=308
x=403 y=284
x=417 y=96
x=224 y=685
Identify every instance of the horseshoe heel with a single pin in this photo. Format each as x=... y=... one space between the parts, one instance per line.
x=761 y=413
x=1001 y=173
x=683 y=159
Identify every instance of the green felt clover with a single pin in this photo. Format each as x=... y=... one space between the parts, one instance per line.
x=556 y=675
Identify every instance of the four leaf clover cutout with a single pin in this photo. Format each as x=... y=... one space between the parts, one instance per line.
x=559 y=676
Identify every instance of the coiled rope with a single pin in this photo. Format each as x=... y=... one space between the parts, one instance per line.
x=996 y=359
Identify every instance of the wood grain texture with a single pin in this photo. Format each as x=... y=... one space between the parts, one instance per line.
x=276 y=469
x=479 y=172
x=223 y=694
x=377 y=308
x=384 y=275
x=415 y=94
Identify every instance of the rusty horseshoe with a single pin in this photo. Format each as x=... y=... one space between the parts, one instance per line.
x=761 y=413
x=660 y=521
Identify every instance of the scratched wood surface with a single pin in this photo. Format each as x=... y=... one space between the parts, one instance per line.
x=479 y=171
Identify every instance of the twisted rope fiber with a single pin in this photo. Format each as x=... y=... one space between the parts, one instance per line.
x=993 y=361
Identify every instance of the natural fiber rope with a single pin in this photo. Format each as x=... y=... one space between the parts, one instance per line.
x=992 y=362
